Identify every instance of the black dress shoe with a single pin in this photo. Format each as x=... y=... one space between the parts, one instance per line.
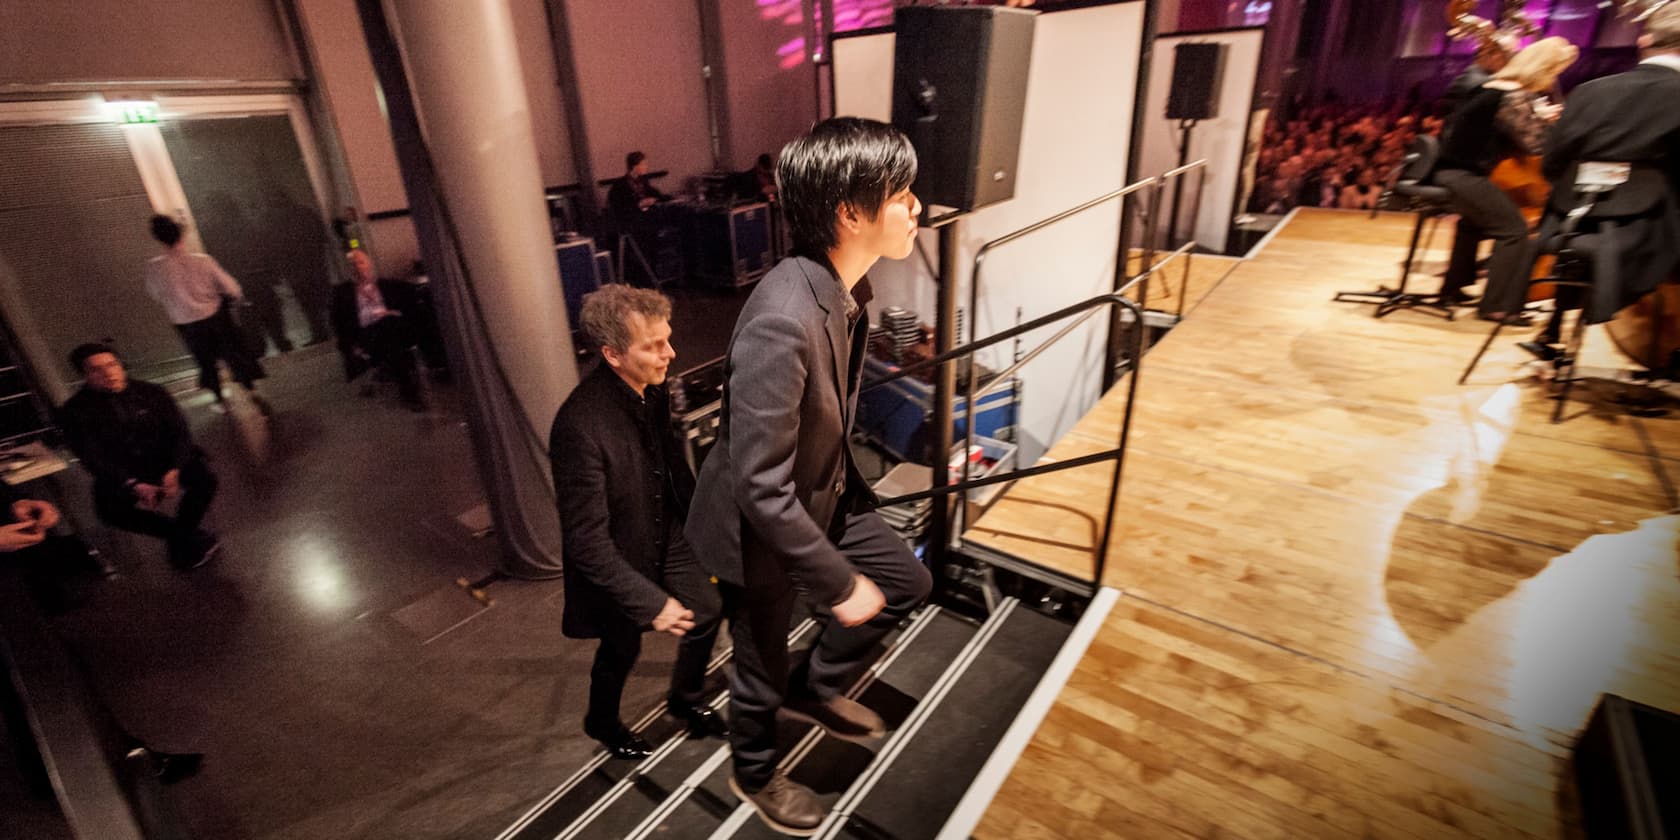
x=624 y=744
x=173 y=767
x=1540 y=350
x=1516 y=319
x=702 y=722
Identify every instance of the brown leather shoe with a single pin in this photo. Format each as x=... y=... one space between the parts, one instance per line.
x=842 y=717
x=784 y=804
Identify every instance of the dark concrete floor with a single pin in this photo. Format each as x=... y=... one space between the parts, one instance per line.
x=314 y=661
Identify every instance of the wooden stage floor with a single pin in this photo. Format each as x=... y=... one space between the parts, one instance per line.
x=1357 y=598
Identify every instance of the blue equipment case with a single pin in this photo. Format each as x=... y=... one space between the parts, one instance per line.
x=896 y=414
x=578 y=273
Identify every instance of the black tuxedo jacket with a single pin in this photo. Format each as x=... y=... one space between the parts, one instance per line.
x=1631 y=117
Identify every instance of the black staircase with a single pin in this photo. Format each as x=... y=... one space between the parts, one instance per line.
x=949 y=685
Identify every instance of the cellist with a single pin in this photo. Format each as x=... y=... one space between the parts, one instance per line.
x=1506 y=115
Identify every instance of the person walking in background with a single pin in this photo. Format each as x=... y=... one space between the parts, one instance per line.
x=195 y=292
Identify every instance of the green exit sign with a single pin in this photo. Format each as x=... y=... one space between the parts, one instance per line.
x=133 y=112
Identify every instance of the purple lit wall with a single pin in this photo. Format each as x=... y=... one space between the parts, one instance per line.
x=848 y=15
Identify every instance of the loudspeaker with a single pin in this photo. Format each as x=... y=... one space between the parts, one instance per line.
x=959 y=92
x=1627 y=769
x=1197 y=70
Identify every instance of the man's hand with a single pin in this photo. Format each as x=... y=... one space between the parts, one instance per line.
x=148 y=495
x=172 y=484
x=675 y=619
x=647 y=202
x=42 y=515
x=865 y=602
x=20 y=535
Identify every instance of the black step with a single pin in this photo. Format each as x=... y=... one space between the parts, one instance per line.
x=920 y=786
x=825 y=764
x=604 y=776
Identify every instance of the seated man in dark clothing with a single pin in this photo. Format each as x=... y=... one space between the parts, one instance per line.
x=132 y=437
x=630 y=196
x=757 y=183
x=370 y=325
x=630 y=211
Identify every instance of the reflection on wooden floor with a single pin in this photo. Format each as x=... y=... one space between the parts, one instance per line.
x=1358 y=598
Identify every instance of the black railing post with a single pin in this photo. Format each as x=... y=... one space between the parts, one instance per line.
x=944 y=392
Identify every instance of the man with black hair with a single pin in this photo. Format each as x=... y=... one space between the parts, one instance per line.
x=195 y=292
x=130 y=434
x=631 y=195
x=622 y=488
x=780 y=509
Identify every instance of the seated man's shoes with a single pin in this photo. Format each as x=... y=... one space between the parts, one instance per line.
x=1541 y=350
x=622 y=743
x=785 y=805
x=191 y=552
x=1458 y=298
x=170 y=768
x=701 y=721
x=841 y=717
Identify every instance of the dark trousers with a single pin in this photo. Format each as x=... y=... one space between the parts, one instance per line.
x=390 y=341
x=621 y=644
x=1485 y=212
x=759 y=616
x=216 y=338
x=117 y=507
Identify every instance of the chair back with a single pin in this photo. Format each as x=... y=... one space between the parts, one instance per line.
x=1420 y=160
x=1414 y=169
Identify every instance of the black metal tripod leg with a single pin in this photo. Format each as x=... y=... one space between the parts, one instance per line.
x=1482 y=352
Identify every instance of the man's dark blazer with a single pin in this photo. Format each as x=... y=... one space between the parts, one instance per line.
x=1629 y=117
x=616 y=512
x=771 y=484
x=152 y=440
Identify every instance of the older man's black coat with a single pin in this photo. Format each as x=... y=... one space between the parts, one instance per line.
x=621 y=511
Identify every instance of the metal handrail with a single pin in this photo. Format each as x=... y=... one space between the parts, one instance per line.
x=1117 y=454
x=1084 y=310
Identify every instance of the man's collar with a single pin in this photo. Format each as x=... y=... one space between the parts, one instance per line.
x=1667 y=59
x=619 y=386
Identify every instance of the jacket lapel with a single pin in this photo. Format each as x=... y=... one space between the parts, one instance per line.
x=827 y=290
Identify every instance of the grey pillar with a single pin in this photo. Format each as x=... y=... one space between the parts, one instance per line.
x=510 y=332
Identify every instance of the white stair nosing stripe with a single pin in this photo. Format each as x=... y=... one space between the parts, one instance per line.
x=877 y=769
x=992 y=774
x=600 y=757
x=678 y=796
x=739 y=816
x=736 y=819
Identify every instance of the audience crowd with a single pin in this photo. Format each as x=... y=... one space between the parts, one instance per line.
x=1333 y=155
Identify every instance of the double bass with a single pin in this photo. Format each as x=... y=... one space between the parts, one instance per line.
x=1646 y=331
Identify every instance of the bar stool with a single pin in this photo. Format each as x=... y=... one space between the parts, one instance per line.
x=1408 y=188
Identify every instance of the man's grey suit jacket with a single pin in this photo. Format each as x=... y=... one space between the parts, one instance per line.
x=768 y=491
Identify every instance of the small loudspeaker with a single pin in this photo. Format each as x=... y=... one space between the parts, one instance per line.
x=959 y=92
x=1627 y=770
x=1197 y=69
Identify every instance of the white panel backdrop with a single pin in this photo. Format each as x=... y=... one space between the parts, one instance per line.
x=1074 y=144
x=1220 y=139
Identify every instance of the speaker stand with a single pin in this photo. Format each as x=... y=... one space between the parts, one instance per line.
x=1184 y=128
